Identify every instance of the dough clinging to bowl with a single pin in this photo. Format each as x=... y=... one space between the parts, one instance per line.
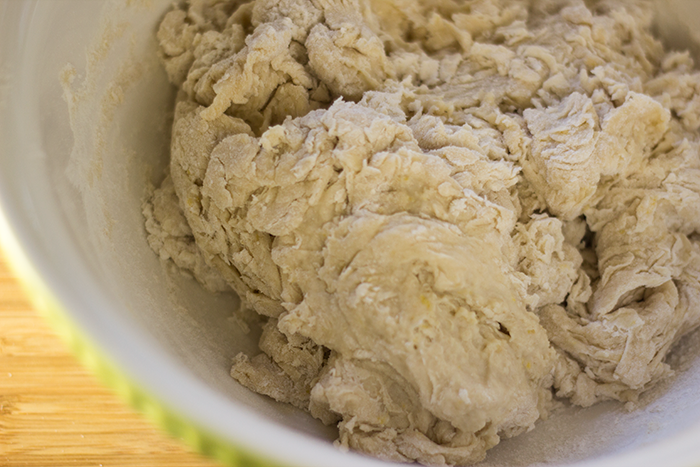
x=444 y=212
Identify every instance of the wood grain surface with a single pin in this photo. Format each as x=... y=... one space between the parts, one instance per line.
x=54 y=413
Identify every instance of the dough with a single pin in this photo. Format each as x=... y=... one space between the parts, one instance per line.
x=449 y=214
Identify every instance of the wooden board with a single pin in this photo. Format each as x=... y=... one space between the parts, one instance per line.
x=54 y=413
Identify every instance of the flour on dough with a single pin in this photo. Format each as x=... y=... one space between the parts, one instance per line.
x=448 y=213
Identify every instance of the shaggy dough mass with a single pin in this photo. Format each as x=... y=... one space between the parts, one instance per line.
x=445 y=212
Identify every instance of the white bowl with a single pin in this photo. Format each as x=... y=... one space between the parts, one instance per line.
x=71 y=187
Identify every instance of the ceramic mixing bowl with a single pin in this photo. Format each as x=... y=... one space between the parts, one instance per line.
x=85 y=111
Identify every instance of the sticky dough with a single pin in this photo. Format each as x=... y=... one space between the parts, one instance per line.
x=448 y=214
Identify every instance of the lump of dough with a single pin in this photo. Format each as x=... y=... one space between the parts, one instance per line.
x=547 y=259
x=346 y=55
x=563 y=166
x=171 y=237
x=445 y=213
x=327 y=187
x=395 y=290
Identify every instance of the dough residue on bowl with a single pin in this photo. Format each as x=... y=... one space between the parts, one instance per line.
x=449 y=214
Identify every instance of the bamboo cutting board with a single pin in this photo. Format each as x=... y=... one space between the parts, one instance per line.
x=54 y=413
